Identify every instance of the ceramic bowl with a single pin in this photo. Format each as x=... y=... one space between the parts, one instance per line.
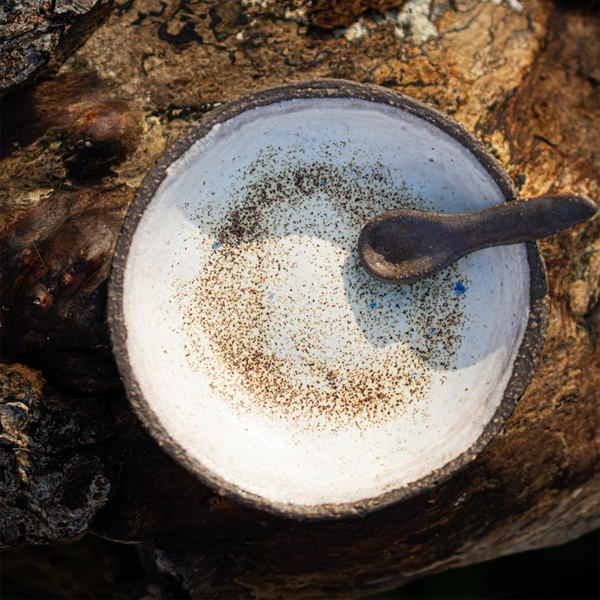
x=259 y=353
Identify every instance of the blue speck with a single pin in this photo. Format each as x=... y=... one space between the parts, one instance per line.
x=414 y=374
x=373 y=305
x=323 y=181
x=271 y=296
x=432 y=332
x=216 y=245
x=459 y=288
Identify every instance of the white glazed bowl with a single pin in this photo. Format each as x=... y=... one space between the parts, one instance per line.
x=257 y=350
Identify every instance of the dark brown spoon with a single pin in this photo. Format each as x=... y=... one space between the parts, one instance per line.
x=405 y=246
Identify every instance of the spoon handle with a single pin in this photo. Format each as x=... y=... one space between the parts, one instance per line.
x=527 y=219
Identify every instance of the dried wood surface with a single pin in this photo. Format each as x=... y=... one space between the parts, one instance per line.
x=523 y=76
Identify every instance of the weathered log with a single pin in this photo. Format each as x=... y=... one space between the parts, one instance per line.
x=331 y=15
x=36 y=36
x=524 y=76
x=54 y=481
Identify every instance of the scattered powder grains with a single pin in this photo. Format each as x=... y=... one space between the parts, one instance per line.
x=288 y=319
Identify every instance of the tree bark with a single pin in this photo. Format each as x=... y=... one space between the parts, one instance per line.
x=524 y=77
x=37 y=36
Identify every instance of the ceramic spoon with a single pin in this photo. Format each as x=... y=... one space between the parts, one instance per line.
x=405 y=246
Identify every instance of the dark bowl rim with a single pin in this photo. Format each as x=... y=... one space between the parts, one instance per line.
x=523 y=366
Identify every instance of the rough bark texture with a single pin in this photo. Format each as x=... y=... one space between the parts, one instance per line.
x=523 y=76
x=36 y=35
x=54 y=481
x=333 y=15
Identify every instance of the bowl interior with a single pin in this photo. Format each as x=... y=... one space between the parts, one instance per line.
x=263 y=351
